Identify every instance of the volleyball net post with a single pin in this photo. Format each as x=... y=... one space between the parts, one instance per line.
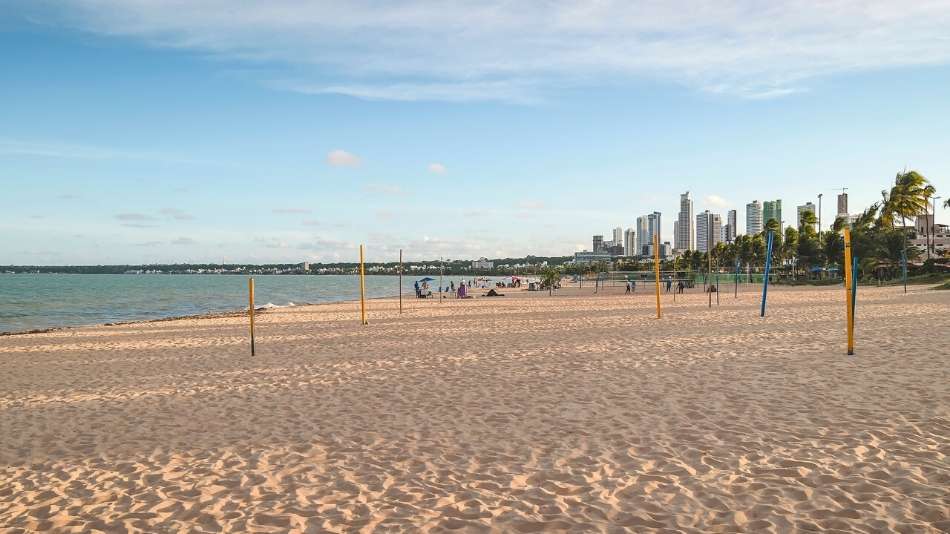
x=250 y=309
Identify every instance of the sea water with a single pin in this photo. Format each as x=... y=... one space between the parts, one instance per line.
x=37 y=301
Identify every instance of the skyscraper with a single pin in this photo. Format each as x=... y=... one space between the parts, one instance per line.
x=647 y=226
x=708 y=231
x=753 y=218
x=843 y=205
x=598 y=243
x=806 y=207
x=643 y=231
x=618 y=236
x=684 y=237
x=730 y=226
x=772 y=209
x=629 y=242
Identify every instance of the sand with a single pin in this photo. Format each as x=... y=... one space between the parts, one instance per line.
x=577 y=412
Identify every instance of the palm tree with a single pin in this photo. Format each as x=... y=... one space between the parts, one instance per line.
x=550 y=277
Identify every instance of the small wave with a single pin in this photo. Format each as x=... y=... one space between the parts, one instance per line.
x=271 y=305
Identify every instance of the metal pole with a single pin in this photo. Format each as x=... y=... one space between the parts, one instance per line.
x=847 y=289
x=362 y=289
x=441 y=269
x=709 y=271
x=656 y=269
x=819 y=213
x=250 y=309
x=768 y=267
x=737 y=278
x=400 y=280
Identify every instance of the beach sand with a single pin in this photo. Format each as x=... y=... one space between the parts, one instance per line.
x=524 y=413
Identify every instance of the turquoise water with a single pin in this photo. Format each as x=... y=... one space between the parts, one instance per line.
x=34 y=301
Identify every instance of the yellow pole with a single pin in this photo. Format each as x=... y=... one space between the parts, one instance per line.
x=362 y=289
x=847 y=288
x=656 y=269
x=250 y=309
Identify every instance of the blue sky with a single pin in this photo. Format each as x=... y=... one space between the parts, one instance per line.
x=195 y=131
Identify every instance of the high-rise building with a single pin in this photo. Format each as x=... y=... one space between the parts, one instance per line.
x=708 y=231
x=753 y=218
x=647 y=226
x=772 y=209
x=684 y=237
x=730 y=229
x=642 y=235
x=599 y=244
x=654 y=227
x=618 y=236
x=806 y=207
x=629 y=242
x=843 y=205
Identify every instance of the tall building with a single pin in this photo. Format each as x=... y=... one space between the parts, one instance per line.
x=599 y=244
x=618 y=236
x=629 y=242
x=772 y=209
x=730 y=230
x=753 y=218
x=647 y=226
x=806 y=207
x=843 y=205
x=684 y=237
x=708 y=231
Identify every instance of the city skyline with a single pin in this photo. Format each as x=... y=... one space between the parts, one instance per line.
x=139 y=132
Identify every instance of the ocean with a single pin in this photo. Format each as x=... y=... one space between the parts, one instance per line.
x=38 y=301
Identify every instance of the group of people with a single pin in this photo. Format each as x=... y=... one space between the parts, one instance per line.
x=424 y=291
x=680 y=286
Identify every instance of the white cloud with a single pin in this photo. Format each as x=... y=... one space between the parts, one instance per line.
x=384 y=189
x=292 y=211
x=716 y=201
x=495 y=49
x=437 y=168
x=177 y=214
x=342 y=158
x=531 y=205
x=184 y=241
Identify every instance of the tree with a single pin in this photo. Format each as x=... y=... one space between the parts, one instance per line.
x=550 y=277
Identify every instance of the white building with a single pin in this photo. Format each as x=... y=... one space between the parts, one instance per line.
x=684 y=237
x=708 y=231
x=618 y=236
x=483 y=263
x=753 y=218
x=629 y=242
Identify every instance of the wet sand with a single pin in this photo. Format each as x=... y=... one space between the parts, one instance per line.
x=577 y=412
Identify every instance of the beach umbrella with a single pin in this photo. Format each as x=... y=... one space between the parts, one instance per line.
x=427 y=279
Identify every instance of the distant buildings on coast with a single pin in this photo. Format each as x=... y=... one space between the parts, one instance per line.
x=703 y=231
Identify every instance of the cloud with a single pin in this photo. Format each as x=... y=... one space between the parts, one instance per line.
x=292 y=211
x=184 y=241
x=176 y=214
x=383 y=189
x=134 y=217
x=342 y=158
x=311 y=222
x=531 y=205
x=501 y=50
x=716 y=201
x=67 y=196
x=148 y=244
x=437 y=168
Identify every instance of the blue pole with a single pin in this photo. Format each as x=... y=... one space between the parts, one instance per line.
x=768 y=267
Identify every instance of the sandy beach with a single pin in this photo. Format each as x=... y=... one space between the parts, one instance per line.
x=524 y=413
